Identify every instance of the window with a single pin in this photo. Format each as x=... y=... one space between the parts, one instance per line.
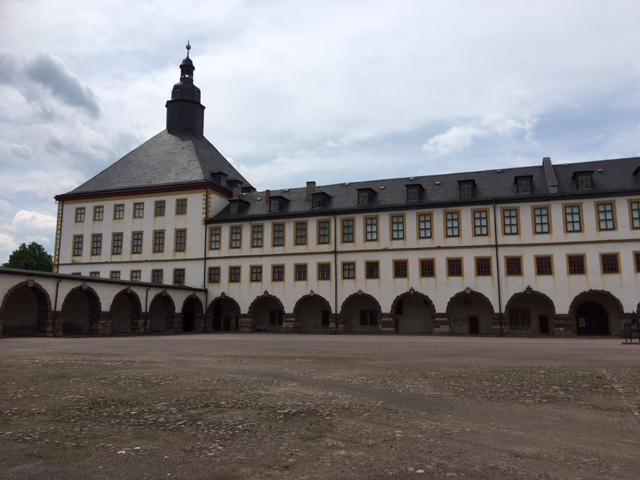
x=414 y=193
x=158 y=241
x=118 y=211
x=181 y=240
x=96 y=244
x=114 y=275
x=371 y=229
x=583 y=180
x=278 y=234
x=236 y=237
x=635 y=215
x=609 y=262
x=519 y=318
x=606 y=219
x=576 y=264
x=347 y=230
x=181 y=206
x=77 y=245
x=324 y=232
x=324 y=271
x=364 y=196
x=326 y=318
x=397 y=227
x=256 y=273
x=368 y=318
x=483 y=267
x=277 y=273
x=636 y=257
x=156 y=276
x=454 y=267
x=94 y=274
x=214 y=274
x=138 y=210
x=136 y=275
x=466 y=187
x=318 y=200
x=234 y=274
x=256 y=236
x=524 y=184
x=98 y=213
x=116 y=244
x=427 y=268
x=514 y=265
x=136 y=242
x=510 y=221
x=178 y=276
x=301 y=233
x=572 y=218
x=544 y=266
x=214 y=239
x=372 y=269
x=349 y=270
x=274 y=204
x=400 y=269
x=424 y=225
x=301 y=272
x=453 y=224
x=481 y=223
x=541 y=219
x=80 y=214
x=159 y=208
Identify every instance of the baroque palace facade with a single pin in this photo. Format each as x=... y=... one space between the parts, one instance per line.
x=545 y=249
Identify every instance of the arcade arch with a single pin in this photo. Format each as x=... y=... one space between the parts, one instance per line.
x=414 y=313
x=25 y=310
x=267 y=312
x=313 y=314
x=470 y=312
x=361 y=313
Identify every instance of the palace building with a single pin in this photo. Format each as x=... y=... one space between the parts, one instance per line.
x=545 y=249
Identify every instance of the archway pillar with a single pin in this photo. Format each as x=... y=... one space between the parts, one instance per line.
x=441 y=324
x=137 y=323
x=99 y=324
x=338 y=319
x=174 y=323
x=495 y=324
x=564 y=325
x=199 y=322
x=387 y=323
x=47 y=328
x=290 y=323
x=246 y=323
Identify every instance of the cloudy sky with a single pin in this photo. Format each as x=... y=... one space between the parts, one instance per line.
x=330 y=91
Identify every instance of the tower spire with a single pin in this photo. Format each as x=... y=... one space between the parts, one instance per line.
x=184 y=110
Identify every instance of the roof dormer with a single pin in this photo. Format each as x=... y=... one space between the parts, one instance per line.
x=415 y=191
x=583 y=180
x=319 y=199
x=278 y=203
x=524 y=184
x=467 y=188
x=366 y=196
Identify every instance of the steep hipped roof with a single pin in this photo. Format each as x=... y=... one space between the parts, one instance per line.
x=164 y=160
x=610 y=177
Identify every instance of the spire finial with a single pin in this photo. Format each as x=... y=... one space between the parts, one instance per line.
x=188 y=48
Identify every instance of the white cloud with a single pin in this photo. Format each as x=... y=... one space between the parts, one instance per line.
x=25 y=227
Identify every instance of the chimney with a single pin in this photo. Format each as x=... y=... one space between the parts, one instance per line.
x=267 y=196
x=311 y=188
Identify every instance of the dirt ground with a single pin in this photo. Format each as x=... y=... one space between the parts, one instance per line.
x=267 y=406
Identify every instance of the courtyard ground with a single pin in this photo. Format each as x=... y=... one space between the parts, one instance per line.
x=267 y=406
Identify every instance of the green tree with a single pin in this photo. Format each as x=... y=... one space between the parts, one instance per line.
x=31 y=257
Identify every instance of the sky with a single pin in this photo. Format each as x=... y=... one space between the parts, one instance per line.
x=330 y=91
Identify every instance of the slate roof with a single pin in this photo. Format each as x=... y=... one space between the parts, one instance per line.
x=610 y=177
x=163 y=161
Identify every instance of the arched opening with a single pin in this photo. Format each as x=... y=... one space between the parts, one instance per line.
x=414 y=313
x=125 y=312
x=530 y=312
x=25 y=310
x=268 y=314
x=161 y=314
x=191 y=313
x=470 y=312
x=80 y=312
x=313 y=314
x=224 y=313
x=597 y=312
x=361 y=313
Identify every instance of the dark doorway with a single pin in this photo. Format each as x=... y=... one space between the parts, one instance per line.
x=544 y=323
x=474 y=325
x=188 y=317
x=217 y=317
x=592 y=319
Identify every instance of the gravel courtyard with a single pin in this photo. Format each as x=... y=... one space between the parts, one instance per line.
x=254 y=406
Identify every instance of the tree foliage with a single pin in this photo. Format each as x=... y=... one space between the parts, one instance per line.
x=31 y=257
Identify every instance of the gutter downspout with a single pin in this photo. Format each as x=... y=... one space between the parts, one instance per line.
x=204 y=259
x=495 y=233
x=335 y=273
x=146 y=310
x=55 y=307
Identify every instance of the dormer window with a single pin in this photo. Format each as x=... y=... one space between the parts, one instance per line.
x=220 y=178
x=467 y=188
x=414 y=193
x=365 y=195
x=584 y=180
x=277 y=203
x=319 y=199
x=236 y=206
x=524 y=184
